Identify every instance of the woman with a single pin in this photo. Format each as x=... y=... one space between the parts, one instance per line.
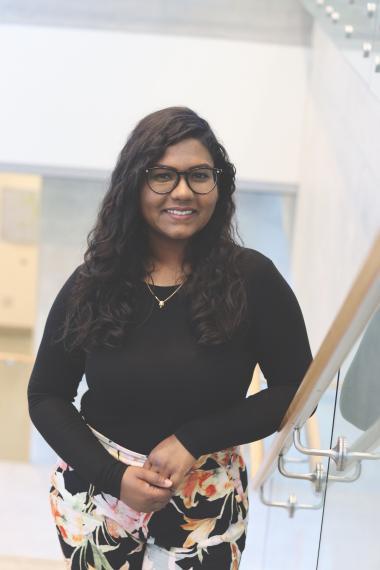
x=167 y=316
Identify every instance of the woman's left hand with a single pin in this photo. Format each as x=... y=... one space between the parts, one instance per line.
x=171 y=459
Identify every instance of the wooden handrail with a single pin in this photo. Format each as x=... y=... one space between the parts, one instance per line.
x=256 y=449
x=356 y=310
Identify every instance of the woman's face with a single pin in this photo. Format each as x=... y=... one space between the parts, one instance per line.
x=162 y=224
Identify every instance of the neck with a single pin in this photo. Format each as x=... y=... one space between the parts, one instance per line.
x=167 y=253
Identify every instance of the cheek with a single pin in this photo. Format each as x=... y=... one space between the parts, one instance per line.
x=211 y=207
x=148 y=203
x=142 y=200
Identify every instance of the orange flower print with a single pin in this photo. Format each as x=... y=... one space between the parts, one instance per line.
x=77 y=521
x=97 y=530
x=234 y=470
x=235 y=556
x=71 y=518
x=213 y=484
x=201 y=529
x=200 y=536
x=120 y=516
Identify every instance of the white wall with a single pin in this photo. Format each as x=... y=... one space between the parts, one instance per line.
x=70 y=97
x=338 y=211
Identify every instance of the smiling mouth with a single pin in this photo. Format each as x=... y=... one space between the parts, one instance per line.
x=180 y=214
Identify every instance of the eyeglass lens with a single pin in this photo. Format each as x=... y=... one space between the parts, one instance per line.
x=163 y=180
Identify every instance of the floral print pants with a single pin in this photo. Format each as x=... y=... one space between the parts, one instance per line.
x=203 y=526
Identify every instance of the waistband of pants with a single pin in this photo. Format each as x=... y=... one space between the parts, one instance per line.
x=133 y=458
x=118 y=451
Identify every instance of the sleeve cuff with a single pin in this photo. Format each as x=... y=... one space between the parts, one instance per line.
x=112 y=480
x=186 y=436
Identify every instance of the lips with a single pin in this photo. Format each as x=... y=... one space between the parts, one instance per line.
x=180 y=209
x=176 y=215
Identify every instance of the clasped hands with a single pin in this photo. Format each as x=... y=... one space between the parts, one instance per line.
x=170 y=459
x=144 y=488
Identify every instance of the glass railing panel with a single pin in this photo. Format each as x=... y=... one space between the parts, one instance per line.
x=279 y=541
x=351 y=523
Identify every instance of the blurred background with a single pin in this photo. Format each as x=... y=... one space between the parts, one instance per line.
x=292 y=90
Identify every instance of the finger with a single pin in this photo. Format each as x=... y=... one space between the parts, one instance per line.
x=159 y=494
x=149 y=464
x=163 y=500
x=164 y=472
x=178 y=480
x=174 y=487
x=154 y=478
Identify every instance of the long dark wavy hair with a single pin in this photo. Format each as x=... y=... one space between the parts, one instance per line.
x=102 y=306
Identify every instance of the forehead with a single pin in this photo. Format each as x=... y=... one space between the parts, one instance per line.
x=185 y=154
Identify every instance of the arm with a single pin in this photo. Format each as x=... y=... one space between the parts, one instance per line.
x=52 y=388
x=284 y=355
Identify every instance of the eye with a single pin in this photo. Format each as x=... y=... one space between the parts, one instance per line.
x=161 y=175
x=201 y=175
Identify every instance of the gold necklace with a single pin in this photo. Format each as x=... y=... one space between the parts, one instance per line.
x=161 y=302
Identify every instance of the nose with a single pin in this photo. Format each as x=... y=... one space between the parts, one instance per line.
x=182 y=189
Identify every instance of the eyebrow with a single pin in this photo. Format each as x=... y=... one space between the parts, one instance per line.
x=194 y=166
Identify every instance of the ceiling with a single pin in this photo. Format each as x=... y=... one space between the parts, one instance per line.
x=268 y=21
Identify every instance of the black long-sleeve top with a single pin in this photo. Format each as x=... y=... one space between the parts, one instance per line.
x=161 y=382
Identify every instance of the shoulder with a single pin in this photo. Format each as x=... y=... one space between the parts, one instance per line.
x=70 y=280
x=254 y=265
x=65 y=289
x=264 y=282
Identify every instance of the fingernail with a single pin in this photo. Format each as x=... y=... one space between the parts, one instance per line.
x=168 y=482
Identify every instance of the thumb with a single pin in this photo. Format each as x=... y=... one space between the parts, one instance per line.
x=155 y=478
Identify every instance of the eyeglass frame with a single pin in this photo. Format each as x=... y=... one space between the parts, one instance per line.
x=184 y=173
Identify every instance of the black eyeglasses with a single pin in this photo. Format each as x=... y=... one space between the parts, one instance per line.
x=200 y=179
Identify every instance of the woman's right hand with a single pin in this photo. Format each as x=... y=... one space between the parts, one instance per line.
x=144 y=490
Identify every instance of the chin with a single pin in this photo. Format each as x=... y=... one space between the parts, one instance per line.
x=179 y=233
x=180 y=236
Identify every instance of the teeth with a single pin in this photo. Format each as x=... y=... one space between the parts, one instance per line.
x=180 y=212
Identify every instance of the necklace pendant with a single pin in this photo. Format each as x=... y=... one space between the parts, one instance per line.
x=161 y=304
